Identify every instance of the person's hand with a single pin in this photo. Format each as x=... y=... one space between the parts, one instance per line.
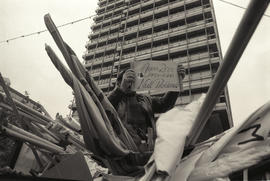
x=181 y=71
x=128 y=81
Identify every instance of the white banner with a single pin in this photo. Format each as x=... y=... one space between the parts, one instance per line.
x=156 y=75
x=243 y=146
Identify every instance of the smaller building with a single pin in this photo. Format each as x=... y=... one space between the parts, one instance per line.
x=10 y=148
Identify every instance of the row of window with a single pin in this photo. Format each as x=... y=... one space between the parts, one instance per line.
x=150 y=28
x=130 y=45
x=105 y=83
x=142 y=10
x=195 y=57
x=110 y=14
x=107 y=2
x=196 y=80
x=164 y=54
x=189 y=60
x=166 y=24
x=149 y=37
x=135 y=7
x=194 y=54
x=156 y=46
x=154 y=20
x=173 y=34
x=188 y=84
x=146 y=35
x=105 y=19
x=165 y=15
x=189 y=77
x=110 y=7
x=104 y=70
x=180 y=5
x=179 y=39
x=103 y=24
x=147 y=49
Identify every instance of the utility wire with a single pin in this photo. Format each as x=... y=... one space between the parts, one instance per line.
x=89 y=17
x=238 y=6
x=42 y=31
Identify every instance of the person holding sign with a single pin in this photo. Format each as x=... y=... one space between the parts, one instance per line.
x=136 y=111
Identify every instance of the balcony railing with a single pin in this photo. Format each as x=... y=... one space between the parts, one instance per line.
x=158 y=9
x=171 y=18
x=165 y=47
x=95 y=26
x=117 y=8
x=163 y=34
x=158 y=22
x=105 y=38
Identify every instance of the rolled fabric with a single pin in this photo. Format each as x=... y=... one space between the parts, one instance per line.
x=58 y=39
x=95 y=111
x=81 y=73
x=110 y=143
x=66 y=74
x=86 y=126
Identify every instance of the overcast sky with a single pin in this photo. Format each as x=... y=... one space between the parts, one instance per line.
x=25 y=62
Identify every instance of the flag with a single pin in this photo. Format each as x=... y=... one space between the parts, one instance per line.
x=238 y=148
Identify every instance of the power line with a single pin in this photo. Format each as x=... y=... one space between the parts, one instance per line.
x=238 y=6
x=42 y=31
x=89 y=17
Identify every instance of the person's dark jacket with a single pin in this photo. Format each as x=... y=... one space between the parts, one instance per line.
x=137 y=111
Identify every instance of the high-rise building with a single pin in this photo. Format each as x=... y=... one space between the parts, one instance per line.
x=182 y=31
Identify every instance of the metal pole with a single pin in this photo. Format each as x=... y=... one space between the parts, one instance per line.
x=239 y=42
x=48 y=132
x=32 y=111
x=76 y=142
x=41 y=166
x=10 y=100
x=32 y=136
x=45 y=111
x=23 y=107
x=40 y=133
x=28 y=116
x=32 y=141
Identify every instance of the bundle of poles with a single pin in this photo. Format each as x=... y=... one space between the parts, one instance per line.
x=98 y=118
x=37 y=129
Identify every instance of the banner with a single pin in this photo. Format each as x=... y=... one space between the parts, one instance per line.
x=241 y=147
x=156 y=75
x=173 y=127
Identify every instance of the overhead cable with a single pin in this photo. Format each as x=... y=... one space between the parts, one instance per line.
x=238 y=6
x=42 y=31
x=89 y=17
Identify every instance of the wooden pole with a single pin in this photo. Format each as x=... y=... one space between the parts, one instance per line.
x=237 y=46
x=41 y=144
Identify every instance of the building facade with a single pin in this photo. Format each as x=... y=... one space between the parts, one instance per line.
x=182 y=31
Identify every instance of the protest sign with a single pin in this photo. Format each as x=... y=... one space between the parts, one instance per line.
x=156 y=75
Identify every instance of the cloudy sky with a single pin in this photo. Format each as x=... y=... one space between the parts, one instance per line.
x=25 y=62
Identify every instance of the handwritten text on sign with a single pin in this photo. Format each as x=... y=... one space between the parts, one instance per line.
x=156 y=75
